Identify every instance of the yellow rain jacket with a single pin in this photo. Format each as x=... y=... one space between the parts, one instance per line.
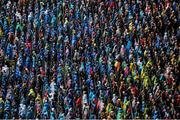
x=1 y=32
x=31 y=92
x=117 y=65
x=109 y=108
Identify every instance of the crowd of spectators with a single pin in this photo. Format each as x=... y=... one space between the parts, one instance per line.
x=89 y=59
